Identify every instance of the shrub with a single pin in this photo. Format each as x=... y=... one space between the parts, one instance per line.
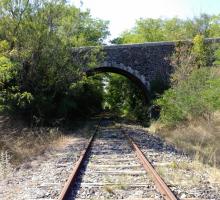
x=198 y=95
x=194 y=88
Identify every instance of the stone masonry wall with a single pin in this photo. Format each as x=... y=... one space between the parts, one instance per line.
x=147 y=61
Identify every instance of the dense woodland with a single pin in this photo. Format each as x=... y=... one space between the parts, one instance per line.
x=39 y=81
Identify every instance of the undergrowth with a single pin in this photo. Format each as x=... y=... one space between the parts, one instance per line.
x=189 y=116
x=21 y=142
x=198 y=137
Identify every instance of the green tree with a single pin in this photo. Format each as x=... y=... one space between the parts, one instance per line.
x=149 y=30
x=123 y=97
x=40 y=35
x=185 y=60
x=195 y=85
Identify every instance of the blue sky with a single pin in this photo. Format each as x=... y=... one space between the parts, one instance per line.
x=123 y=13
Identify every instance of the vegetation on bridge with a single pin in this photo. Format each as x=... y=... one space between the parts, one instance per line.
x=195 y=85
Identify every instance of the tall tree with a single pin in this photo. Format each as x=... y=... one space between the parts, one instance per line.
x=40 y=35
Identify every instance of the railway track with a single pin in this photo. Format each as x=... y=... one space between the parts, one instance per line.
x=113 y=167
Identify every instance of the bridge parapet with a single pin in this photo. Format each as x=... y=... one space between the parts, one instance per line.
x=144 y=62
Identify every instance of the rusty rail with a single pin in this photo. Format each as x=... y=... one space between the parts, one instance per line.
x=66 y=189
x=160 y=184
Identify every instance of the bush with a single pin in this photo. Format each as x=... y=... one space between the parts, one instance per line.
x=198 y=95
x=194 y=88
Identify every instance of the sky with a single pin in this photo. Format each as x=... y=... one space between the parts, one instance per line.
x=122 y=14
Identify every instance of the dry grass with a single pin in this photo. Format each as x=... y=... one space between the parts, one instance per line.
x=109 y=189
x=214 y=175
x=23 y=143
x=5 y=165
x=113 y=188
x=180 y=177
x=18 y=143
x=200 y=138
x=119 y=184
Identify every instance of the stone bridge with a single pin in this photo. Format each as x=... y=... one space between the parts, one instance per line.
x=141 y=63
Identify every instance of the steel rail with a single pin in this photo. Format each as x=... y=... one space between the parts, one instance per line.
x=159 y=182
x=66 y=189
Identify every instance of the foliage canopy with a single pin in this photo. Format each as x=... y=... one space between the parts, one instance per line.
x=37 y=76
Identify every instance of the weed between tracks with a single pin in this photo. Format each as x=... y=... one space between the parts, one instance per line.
x=119 y=184
x=112 y=189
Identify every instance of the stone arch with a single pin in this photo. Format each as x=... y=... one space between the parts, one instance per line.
x=128 y=72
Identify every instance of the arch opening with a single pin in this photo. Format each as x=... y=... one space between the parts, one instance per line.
x=143 y=88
